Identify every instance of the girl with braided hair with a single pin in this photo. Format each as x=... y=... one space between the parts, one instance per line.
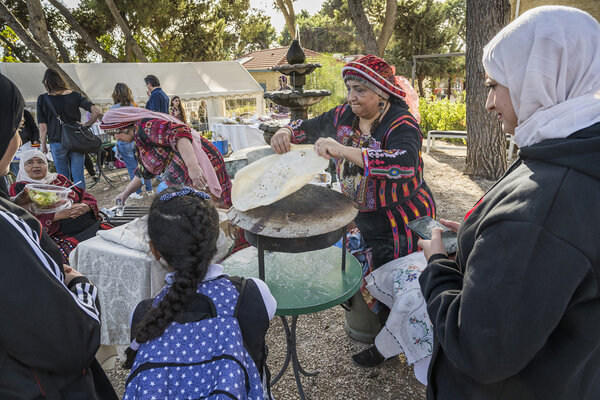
x=202 y=322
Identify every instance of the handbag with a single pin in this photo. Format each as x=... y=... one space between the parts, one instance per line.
x=76 y=138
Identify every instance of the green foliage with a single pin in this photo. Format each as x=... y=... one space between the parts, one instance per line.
x=256 y=33
x=325 y=33
x=176 y=30
x=428 y=27
x=11 y=49
x=328 y=77
x=442 y=115
x=332 y=30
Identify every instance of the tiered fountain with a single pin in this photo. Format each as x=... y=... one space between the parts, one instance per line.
x=296 y=99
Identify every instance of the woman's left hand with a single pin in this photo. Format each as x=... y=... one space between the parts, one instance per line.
x=328 y=148
x=433 y=246
x=197 y=177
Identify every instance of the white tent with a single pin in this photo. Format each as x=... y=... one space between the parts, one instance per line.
x=214 y=82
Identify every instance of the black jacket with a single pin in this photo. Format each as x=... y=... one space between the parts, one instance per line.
x=517 y=316
x=29 y=132
x=49 y=334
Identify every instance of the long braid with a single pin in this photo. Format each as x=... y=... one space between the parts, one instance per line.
x=184 y=230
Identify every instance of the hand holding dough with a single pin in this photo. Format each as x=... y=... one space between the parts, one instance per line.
x=273 y=177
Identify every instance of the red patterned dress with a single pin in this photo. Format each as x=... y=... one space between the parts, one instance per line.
x=156 y=152
x=390 y=190
x=67 y=233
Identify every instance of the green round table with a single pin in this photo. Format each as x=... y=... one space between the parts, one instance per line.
x=302 y=283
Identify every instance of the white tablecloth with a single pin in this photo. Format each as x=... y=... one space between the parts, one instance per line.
x=118 y=261
x=240 y=136
x=123 y=276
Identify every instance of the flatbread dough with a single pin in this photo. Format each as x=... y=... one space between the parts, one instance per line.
x=273 y=177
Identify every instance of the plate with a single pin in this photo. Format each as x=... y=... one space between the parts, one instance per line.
x=34 y=208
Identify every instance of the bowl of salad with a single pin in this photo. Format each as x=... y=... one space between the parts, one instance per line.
x=48 y=198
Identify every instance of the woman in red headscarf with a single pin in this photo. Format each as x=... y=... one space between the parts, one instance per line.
x=376 y=145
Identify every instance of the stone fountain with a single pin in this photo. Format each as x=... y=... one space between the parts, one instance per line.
x=296 y=99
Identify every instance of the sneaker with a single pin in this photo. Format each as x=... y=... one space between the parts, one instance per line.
x=149 y=193
x=136 y=196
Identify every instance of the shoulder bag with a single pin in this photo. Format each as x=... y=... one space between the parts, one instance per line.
x=74 y=137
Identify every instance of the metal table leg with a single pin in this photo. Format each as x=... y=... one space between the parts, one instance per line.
x=344 y=250
x=261 y=258
x=291 y=353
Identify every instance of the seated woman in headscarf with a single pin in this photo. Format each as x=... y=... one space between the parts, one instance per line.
x=164 y=145
x=67 y=227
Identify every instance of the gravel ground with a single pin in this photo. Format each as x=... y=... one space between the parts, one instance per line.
x=322 y=342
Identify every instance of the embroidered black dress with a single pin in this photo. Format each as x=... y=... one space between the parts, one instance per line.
x=390 y=190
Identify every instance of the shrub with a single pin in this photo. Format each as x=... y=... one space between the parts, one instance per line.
x=442 y=115
x=328 y=77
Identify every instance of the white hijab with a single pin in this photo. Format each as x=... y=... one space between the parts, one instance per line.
x=549 y=58
x=23 y=176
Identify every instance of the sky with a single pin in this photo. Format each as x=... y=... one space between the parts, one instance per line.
x=277 y=20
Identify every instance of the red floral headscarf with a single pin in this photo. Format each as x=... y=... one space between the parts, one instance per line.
x=373 y=71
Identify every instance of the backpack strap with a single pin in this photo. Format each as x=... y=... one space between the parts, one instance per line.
x=241 y=289
x=138 y=316
x=254 y=326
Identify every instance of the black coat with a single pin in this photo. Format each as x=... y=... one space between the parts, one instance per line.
x=517 y=316
x=49 y=333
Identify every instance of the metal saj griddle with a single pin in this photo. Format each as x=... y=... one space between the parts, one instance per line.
x=311 y=218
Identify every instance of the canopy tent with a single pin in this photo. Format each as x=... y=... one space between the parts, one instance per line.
x=213 y=81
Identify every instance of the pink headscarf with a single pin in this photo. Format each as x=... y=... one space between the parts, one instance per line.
x=118 y=116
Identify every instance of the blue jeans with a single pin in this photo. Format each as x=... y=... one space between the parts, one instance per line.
x=68 y=164
x=127 y=154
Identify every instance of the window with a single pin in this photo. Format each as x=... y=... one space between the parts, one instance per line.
x=196 y=113
x=237 y=107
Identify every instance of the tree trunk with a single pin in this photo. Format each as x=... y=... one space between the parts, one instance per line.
x=357 y=12
x=128 y=51
x=391 y=10
x=93 y=44
x=420 y=84
x=449 y=91
x=287 y=9
x=35 y=47
x=62 y=50
x=486 y=143
x=137 y=50
x=37 y=25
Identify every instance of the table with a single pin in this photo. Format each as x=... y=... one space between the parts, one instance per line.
x=240 y=136
x=302 y=283
x=119 y=263
x=124 y=277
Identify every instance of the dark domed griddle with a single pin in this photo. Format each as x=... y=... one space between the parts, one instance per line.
x=312 y=218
